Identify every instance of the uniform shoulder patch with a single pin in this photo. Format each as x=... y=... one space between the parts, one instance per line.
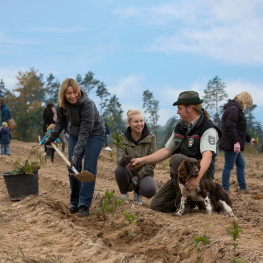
x=211 y=140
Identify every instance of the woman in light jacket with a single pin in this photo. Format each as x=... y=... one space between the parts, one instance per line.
x=138 y=141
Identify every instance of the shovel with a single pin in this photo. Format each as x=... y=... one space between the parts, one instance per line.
x=84 y=176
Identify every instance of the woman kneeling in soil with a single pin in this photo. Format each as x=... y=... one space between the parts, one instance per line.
x=138 y=141
x=86 y=139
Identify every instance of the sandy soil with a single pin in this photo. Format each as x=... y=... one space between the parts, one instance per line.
x=40 y=228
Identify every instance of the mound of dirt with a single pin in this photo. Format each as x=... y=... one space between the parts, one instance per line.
x=40 y=228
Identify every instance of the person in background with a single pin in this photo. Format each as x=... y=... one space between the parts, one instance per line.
x=49 y=150
x=234 y=137
x=49 y=116
x=86 y=139
x=63 y=137
x=5 y=112
x=195 y=136
x=138 y=141
x=5 y=138
x=107 y=133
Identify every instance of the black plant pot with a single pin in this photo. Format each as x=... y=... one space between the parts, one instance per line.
x=21 y=185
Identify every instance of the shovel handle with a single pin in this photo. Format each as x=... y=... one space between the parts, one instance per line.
x=64 y=158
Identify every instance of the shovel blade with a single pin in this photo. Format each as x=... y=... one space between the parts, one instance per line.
x=84 y=176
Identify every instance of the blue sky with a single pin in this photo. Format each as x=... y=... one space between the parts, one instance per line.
x=164 y=46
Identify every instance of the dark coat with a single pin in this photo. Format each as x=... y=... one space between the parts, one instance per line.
x=84 y=122
x=234 y=127
x=5 y=135
x=48 y=115
x=5 y=113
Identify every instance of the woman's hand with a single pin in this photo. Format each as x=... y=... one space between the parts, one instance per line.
x=237 y=147
x=253 y=141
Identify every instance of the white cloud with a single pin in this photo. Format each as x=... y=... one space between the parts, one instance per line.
x=224 y=30
x=236 y=87
x=8 y=76
x=59 y=30
x=128 y=88
x=125 y=13
x=6 y=40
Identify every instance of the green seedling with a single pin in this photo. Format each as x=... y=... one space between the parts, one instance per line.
x=257 y=164
x=28 y=166
x=129 y=217
x=109 y=205
x=55 y=259
x=205 y=239
x=164 y=164
x=234 y=231
x=131 y=221
x=117 y=138
x=110 y=154
x=63 y=230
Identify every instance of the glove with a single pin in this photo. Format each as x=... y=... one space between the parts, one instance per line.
x=73 y=161
x=49 y=139
x=133 y=184
x=237 y=147
x=125 y=159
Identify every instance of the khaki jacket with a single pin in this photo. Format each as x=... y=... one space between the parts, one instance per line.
x=144 y=147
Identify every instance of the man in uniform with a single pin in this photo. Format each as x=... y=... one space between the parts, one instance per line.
x=195 y=136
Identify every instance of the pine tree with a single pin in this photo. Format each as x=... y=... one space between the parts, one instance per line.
x=214 y=94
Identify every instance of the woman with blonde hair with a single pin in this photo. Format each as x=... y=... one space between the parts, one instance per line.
x=234 y=137
x=86 y=139
x=138 y=141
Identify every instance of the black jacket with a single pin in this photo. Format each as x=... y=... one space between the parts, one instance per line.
x=5 y=135
x=84 y=122
x=234 y=127
x=189 y=143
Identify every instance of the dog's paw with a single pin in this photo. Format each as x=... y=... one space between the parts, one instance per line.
x=178 y=213
x=232 y=215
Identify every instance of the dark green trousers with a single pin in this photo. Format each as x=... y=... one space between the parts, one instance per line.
x=164 y=200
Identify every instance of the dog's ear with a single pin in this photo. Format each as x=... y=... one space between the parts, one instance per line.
x=182 y=170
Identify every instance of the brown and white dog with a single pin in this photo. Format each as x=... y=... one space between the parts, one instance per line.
x=209 y=195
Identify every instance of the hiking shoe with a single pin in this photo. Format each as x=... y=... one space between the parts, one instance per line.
x=73 y=209
x=83 y=210
x=108 y=149
x=124 y=196
x=137 y=199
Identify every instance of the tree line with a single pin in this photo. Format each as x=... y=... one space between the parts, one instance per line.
x=31 y=94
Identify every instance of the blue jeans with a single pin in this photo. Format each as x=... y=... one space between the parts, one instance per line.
x=232 y=159
x=5 y=150
x=82 y=193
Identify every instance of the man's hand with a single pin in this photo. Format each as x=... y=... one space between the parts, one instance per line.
x=137 y=162
x=193 y=183
x=73 y=161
